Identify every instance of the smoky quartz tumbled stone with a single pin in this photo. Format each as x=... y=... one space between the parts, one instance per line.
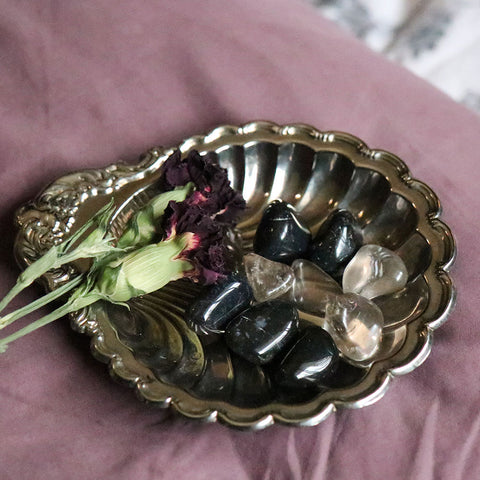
x=312 y=288
x=262 y=331
x=219 y=304
x=268 y=279
x=281 y=235
x=310 y=362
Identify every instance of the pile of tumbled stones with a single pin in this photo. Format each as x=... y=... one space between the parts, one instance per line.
x=332 y=277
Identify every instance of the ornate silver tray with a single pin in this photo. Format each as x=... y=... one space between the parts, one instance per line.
x=151 y=348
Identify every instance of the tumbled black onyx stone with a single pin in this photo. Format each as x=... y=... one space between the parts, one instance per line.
x=219 y=304
x=311 y=361
x=232 y=240
x=336 y=243
x=281 y=236
x=261 y=331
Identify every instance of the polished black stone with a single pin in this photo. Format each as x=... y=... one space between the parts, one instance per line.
x=233 y=242
x=336 y=243
x=219 y=304
x=260 y=332
x=281 y=236
x=310 y=362
x=251 y=384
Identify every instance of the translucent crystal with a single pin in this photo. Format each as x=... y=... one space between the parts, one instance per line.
x=268 y=279
x=355 y=325
x=374 y=271
x=312 y=287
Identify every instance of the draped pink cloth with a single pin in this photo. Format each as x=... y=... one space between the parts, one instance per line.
x=84 y=84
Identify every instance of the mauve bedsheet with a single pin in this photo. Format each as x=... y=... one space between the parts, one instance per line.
x=86 y=83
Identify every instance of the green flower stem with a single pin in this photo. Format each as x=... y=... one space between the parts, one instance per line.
x=96 y=244
x=40 y=302
x=136 y=273
x=72 y=305
x=117 y=274
x=29 y=275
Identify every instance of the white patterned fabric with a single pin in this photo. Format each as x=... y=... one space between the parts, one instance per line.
x=438 y=40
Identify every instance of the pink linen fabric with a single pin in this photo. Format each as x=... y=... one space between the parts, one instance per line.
x=84 y=84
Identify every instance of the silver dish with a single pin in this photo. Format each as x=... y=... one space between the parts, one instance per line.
x=151 y=348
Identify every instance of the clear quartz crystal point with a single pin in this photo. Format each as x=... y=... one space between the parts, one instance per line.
x=374 y=271
x=312 y=287
x=268 y=279
x=355 y=325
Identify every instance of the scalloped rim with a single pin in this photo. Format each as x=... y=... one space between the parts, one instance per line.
x=378 y=379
